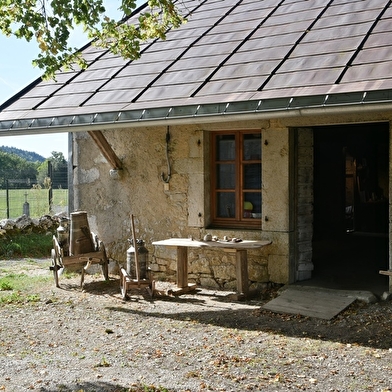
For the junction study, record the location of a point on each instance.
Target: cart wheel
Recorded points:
(82, 278)
(123, 285)
(105, 261)
(152, 288)
(55, 267)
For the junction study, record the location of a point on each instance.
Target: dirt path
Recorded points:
(92, 340)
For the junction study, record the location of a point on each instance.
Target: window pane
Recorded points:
(252, 147)
(225, 205)
(225, 148)
(252, 205)
(252, 176)
(236, 178)
(225, 176)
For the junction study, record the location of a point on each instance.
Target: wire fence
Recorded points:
(30, 197)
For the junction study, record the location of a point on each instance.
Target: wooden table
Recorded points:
(240, 249)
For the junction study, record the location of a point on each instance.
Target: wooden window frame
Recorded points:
(238, 221)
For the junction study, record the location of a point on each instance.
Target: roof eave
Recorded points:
(377, 101)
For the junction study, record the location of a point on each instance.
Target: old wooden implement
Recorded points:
(127, 282)
(77, 250)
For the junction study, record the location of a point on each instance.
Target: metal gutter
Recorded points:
(205, 113)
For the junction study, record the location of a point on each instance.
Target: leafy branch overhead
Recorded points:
(50, 24)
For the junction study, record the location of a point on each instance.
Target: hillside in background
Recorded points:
(27, 155)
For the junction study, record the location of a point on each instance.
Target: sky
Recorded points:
(17, 72)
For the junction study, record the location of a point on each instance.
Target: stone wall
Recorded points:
(181, 207)
(304, 217)
(177, 209)
(24, 225)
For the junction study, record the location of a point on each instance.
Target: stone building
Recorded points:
(256, 119)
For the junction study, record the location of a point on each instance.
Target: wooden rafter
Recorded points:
(106, 149)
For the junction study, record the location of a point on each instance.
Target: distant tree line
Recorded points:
(16, 164)
(27, 155)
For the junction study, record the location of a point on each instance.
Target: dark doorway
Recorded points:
(351, 182)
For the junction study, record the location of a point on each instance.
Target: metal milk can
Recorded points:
(142, 254)
(63, 235)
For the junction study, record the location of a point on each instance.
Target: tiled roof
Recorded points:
(231, 56)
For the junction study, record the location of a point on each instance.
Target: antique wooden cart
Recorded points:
(135, 280)
(79, 250)
(127, 283)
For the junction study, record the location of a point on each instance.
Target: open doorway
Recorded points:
(351, 182)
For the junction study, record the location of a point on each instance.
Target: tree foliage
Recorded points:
(57, 159)
(59, 166)
(27, 155)
(50, 24)
(14, 167)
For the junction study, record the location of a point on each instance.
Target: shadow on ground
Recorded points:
(364, 324)
(102, 387)
(356, 325)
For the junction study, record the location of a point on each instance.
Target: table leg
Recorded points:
(182, 267)
(242, 271)
(182, 273)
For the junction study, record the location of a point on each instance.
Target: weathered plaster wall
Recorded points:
(390, 205)
(182, 208)
(275, 208)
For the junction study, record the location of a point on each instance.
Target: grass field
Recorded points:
(38, 200)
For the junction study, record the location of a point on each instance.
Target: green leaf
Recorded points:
(51, 22)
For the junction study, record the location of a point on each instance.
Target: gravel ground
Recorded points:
(92, 340)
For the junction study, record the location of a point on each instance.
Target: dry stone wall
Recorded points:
(25, 225)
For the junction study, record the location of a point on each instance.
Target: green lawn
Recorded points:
(38, 200)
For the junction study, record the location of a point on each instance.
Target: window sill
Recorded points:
(235, 226)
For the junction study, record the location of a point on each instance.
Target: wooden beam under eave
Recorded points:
(106, 149)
